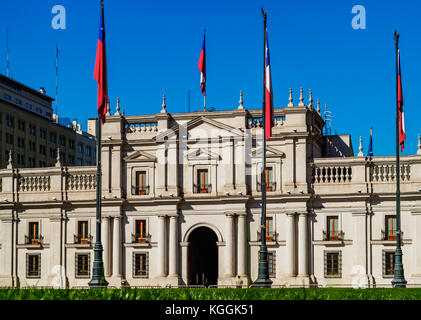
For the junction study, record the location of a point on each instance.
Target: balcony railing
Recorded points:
(141, 238)
(271, 237)
(140, 191)
(203, 188)
(271, 186)
(333, 236)
(390, 236)
(79, 239)
(34, 239)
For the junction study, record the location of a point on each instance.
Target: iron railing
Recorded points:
(333, 236)
(141, 238)
(34, 239)
(79, 239)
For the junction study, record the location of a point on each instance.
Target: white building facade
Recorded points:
(181, 206)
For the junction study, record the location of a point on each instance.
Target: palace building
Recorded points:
(181, 205)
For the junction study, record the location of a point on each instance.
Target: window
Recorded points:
(71, 159)
(333, 264)
(53, 153)
(18, 101)
(80, 147)
(31, 163)
(21, 159)
(33, 237)
(272, 264)
(79, 161)
(83, 236)
(21, 142)
(62, 141)
(88, 151)
(9, 138)
(33, 265)
(332, 228)
(140, 235)
(43, 133)
(39, 110)
(269, 229)
(88, 163)
(140, 265)
(391, 228)
(269, 179)
(82, 265)
(31, 146)
(7, 97)
(48, 114)
(21, 125)
(72, 144)
(9, 121)
(6, 156)
(29, 106)
(42, 149)
(202, 181)
(53, 137)
(388, 263)
(32, 130)
(141, 188)
(42, 164)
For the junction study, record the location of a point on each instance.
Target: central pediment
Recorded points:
(200, 128)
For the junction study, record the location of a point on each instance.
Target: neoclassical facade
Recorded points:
(181, 198)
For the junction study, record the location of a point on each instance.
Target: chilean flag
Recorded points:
(402, 135)
(202, 67)
(100, 73)
(268, 93)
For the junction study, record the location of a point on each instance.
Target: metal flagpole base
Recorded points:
(263, 280)
(98, 279)
(399, 279)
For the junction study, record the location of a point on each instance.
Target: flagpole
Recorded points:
(206, 89)
(398, 279)
(263, 270)
(98, 279)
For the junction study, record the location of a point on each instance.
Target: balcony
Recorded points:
(140, 191)
(141, 238)
(270, 187)
(271, 237)
(390, 236)
(203, 188)
(79, 239)
(333, 236)
(34, 239)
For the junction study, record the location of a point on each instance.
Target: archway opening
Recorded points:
(203, 257)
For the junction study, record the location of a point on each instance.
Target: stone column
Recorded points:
(55, 276)
(161, 246)
(105, 235)
(173, 247)
(290, 245)
(242, 245)
(229, 247)
(116, 172)
(6, 254)
(302, 245)
(117, 247)
(184, 261)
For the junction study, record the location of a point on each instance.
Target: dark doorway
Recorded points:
(203, 257)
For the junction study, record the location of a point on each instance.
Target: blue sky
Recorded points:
(153, 48)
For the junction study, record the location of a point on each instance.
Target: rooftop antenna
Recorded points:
(7, 52)
(57, 52)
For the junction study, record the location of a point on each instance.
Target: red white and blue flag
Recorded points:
(100, 73)
(402, 134)
(268, 92)
(202, 67)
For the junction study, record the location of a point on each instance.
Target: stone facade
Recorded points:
(181, 205)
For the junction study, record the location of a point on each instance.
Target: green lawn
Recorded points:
(211, 294)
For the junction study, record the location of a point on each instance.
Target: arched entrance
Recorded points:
(203, 257)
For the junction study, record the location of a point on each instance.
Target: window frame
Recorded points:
(134, 270)
(387, 220)
(143, 226)
(273, 265)
(202, 180)
(33, 276)
(339, 261)
(335, 235)
(384, 260)
(269, 236)
(77, 273)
